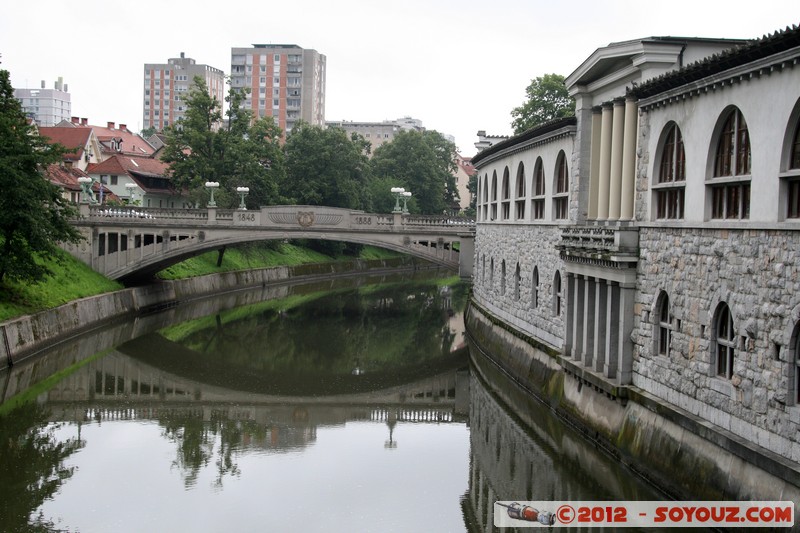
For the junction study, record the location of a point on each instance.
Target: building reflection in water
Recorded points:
(519, 451)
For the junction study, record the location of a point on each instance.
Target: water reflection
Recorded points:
(519, 451)
(331, 409)
(257, 415)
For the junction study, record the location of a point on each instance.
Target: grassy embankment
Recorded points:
(72, 279)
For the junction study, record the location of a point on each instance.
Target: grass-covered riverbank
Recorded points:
(72, 279)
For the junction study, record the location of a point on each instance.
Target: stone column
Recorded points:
(588, 321)
(612, 331)
(629, 158)
(604, 160)
(594, 169)
(615, 189)
(577, 317)
(570, 314)
(625, 370)
(600, 313)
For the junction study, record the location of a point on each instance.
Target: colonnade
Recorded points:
(599, 325)
(613, 160)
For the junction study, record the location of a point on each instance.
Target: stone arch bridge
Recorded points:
(132, 243)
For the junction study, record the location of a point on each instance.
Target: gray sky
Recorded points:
(458, 65)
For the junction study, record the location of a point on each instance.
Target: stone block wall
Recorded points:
(754, 272)
(530, 246)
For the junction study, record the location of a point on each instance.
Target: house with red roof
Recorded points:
(65, 177)
(113, 138)
(83, 147)
(151, 185)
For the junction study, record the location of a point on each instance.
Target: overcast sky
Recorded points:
(458, 65)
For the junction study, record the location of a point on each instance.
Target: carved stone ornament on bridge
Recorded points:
(305, 218)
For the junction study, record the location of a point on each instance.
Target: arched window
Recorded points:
(535, 288)
(664, 331)
(795, 161)
(561, 194)
(557, 294)
(731, 199)
(725, 341)
(506, 196)
(794, 360)
(503, 277)
(793, 198)
(538, 190)
(494, 196)
(516, 283)
(485, 197)
(796, 368)
(671, 176)
(520, 198)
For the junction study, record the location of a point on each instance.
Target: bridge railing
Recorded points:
(273, 216)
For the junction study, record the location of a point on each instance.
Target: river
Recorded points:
(348, 405)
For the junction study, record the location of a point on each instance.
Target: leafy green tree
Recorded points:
(245, 154)
(472, 187)
(326, 167)
(423, 163)
(34, 217)
(547, 99)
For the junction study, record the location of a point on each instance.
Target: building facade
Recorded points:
(648, 245)
(285, 82)
(166, 86)
(46, 107)
(378, 133)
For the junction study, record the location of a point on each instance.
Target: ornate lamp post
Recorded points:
(86, 189)
(131, 192)
(243, 191)
(211, 186)
(398, 193)
(406, 196)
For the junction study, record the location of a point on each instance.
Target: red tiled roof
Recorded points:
(131, 142)
(124, 164)
(73, 139)
(67, 178)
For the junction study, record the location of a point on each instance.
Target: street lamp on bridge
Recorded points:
(406, 196)
(131, 192)
(398, 193)
(211, 186)
(243, 191)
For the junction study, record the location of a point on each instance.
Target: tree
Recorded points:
(472, 187)
(245, 154)
(34, 217)
(326, 167)
(547, 99)
(423, 163)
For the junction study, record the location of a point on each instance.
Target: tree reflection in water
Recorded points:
(31, 466)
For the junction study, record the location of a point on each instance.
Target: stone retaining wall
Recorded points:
(26, 335)
(667, 446)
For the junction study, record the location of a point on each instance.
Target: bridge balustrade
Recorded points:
(124, 240)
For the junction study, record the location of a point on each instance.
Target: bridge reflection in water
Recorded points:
(259, 426)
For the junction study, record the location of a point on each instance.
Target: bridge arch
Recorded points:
(128, 244)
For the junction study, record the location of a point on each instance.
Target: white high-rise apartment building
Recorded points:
(47, 107)
(166, 86)
(285, 81)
